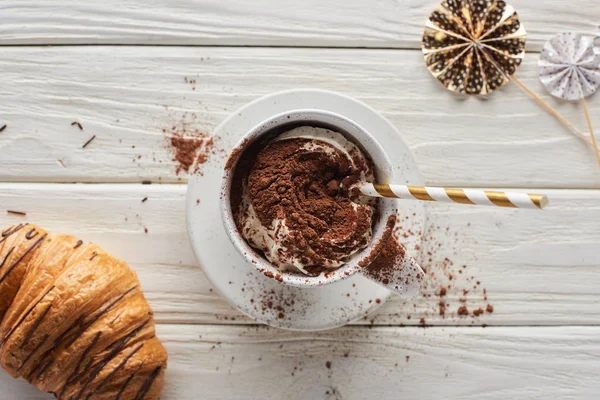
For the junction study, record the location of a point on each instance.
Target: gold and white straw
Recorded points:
(461, 196)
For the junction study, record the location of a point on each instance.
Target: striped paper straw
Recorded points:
(461, 196)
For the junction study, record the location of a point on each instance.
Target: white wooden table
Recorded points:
(118, 67)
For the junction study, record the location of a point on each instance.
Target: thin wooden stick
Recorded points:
(552, 111)
(589, 122)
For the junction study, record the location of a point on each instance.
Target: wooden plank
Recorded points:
(339, 23)
(538, 268)
(126, 96)
(212, 362)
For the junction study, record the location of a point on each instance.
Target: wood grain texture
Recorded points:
(211, 362)
(538, 268)
(126, 96)
(339, 23)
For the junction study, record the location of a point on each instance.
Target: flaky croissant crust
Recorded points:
(74, 321)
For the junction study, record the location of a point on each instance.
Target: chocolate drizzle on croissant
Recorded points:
(86, 325)
(73, 320)
(117, 368)
(148, 384)
(31, 234)
(76, 373)
(33, 352)
(116, 349)
(12, 267)
(129, 380)
(42, 370)
(37, 323)
(11, 230)
(6, 257)
(25, 315)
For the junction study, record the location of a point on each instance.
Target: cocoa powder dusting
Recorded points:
(190, 152)
(309, 190)
(442, 307)
(386, 256)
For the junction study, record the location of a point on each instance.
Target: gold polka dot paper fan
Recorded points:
(473, 46)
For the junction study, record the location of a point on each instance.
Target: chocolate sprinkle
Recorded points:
(144, 199)
(78, 125)
(16, 212)
(79, 243)
(88, 142)
(3, 128)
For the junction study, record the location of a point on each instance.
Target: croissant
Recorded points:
(74, 321)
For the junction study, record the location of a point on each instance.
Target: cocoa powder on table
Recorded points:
(191, 146)
(190, 149)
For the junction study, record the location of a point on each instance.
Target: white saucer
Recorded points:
(265, 299)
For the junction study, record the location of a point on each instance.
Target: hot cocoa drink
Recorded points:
(295, 200)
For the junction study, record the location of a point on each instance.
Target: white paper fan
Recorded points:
(570, 69)
(568, 66)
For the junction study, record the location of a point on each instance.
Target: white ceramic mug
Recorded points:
(405, 277)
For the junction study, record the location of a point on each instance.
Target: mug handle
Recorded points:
(393, 268)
